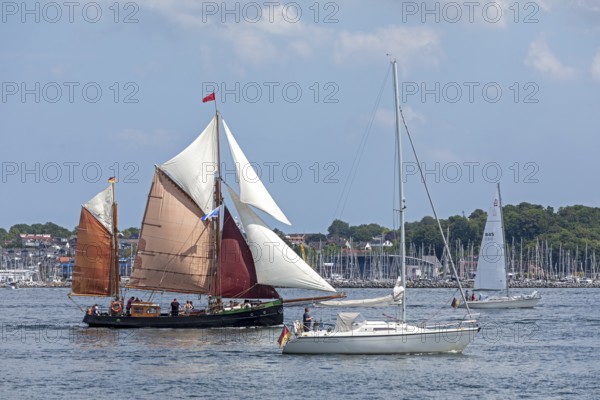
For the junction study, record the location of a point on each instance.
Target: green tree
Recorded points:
(339, 228)
(131, 231)
(365, 233)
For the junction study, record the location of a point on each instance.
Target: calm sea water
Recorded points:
(550, 352)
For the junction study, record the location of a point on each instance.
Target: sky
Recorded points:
(493, 91)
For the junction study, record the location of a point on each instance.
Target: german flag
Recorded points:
(112, 179)
(284, 337)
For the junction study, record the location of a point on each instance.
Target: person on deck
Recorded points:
(128, 306)
(188, 307)
(174, 308)
(306, 319)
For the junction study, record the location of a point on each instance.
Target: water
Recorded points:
(549, 352)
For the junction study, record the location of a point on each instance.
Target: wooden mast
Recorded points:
(217, 203)
(115, 291)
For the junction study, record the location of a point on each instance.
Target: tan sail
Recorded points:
(176, 247)
(95, 249)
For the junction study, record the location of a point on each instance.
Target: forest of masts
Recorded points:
(539, 261)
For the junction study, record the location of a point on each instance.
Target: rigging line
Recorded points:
(412, 145)
(358, 156)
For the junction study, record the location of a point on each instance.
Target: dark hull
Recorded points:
(266, 315)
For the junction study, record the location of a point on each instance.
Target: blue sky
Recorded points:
(92, 89)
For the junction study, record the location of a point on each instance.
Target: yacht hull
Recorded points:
(409, 340)
(497, 302)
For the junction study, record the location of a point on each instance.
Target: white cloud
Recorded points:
(588, 5)
(411, 115)
(253, 46)
(158, 138)
(595, 69)
(401, 42)
(541, 59)
(275, 36)
(385, 117)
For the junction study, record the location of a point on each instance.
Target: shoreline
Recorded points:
(466, 285)
(388, 285)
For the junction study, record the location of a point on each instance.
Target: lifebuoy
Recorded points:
(116, 307)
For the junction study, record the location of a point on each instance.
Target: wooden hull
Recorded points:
(267, 314)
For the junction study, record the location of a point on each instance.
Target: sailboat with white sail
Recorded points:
(354, 335)
(491, 274)
(184, 247)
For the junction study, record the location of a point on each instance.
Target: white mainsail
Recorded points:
(275, 262)
(195, 167)
(491, 264)
(252, 190)
(101, 206)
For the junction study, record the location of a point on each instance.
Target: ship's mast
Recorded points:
(217, 203)
(116, 274)
(503, 238)
(400, 192)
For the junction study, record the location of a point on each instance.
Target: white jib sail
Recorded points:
(275, 262)
(101, 207)
(491, 264)
(252, 190)
(194, 168)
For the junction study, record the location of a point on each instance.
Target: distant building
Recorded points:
(295, 238)
(34, 240)
(376, 243)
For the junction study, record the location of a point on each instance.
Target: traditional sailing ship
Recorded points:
(491, 274)
(353, 334)
(185, 247)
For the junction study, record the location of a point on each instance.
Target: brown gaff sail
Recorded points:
(94, 256)
(176, 247)
(236, 276)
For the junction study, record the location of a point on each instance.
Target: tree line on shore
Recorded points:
(568, 228)
(573, 228)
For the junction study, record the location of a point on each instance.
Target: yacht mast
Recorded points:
(400, 192)
(503, 238)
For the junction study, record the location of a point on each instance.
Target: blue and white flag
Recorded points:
(211, 214)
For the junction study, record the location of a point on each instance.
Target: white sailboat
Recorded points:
(491, 266)
(354, 335)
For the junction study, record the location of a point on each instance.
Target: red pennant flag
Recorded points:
(210, 97)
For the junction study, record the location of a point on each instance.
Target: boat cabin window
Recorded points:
(145, 310)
